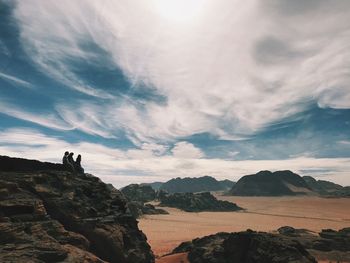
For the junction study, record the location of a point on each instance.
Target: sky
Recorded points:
(150, 90)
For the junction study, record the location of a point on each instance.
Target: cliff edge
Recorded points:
(51, 215)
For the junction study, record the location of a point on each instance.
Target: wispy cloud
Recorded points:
(48, 120)
(16, 81)
(229, 74)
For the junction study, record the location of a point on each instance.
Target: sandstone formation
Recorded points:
(51, 215)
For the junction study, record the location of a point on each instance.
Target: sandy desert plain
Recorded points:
(165, 232)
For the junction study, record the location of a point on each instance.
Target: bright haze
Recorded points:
(150, 90)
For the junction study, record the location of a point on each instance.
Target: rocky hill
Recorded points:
(244, 247)
(286, 245)
(321, 186)
(266, 183)
(197, 202)
(193, 185)
(155, 185)
(51, 215)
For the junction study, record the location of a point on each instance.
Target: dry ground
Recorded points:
(164, 232)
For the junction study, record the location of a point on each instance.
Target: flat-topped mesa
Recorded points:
(51, 215)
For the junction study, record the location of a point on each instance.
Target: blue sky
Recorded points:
(147, 91)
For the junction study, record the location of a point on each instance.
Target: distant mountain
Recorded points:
(197, 202)
(321, 186)
(266, 183)
(156, 185)
(193, 185)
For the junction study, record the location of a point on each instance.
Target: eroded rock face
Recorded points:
(56, 216)
(245, 247)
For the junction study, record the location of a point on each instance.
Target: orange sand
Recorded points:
(176, 258)
(165, 232)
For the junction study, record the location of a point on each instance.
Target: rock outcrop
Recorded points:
(196, 202)
(244, 247)
(137, 192)
(194, 185)
(138, 209)
(266, 183)
(51, 215)
(137, 196)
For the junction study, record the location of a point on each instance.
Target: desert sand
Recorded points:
(165, 232)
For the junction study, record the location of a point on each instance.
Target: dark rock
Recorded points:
(244, 247)
(136, 192)
(291, 231)
(197, 202)
(156, 185)
(137, 209)
(53, 215)
(266, 183)
(194, 185)
(9, 164)
(321, 186)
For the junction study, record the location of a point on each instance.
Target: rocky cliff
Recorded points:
(51, 215)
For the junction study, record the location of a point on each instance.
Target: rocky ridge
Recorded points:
(196, 202)
(196, 184)
(51, 215)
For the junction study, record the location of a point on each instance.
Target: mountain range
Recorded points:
(193, 185)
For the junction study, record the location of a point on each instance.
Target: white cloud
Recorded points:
(47, 120)
(230, 69)
(186, 150)
(145, 165)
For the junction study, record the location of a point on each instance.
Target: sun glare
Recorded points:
(179, 10)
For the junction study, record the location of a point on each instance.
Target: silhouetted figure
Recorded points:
(71, 161)
(65, 159)
(77, 165)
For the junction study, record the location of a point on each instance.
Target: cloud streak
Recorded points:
(16, 81)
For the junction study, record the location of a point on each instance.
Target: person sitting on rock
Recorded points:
(77, 165)
(65, 160)
(71, 161)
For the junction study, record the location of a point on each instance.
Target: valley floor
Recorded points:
(165, 232)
